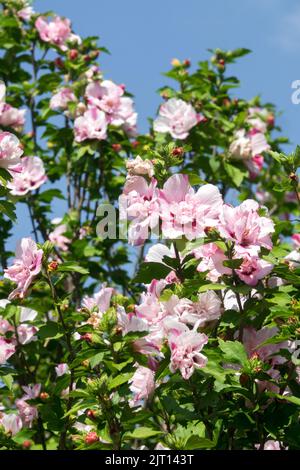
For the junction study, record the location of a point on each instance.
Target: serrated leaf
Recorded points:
(234, 351)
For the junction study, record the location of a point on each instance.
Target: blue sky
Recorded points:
(143, 37)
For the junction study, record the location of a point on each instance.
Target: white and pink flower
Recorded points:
(55, 32)
(31, 176)
(61, 99)
(10, 152)
(27, 265)
(142, 385)
(177, 118)
(91, 125)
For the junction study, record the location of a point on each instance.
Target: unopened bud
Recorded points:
(187, 63)
(26, 444)
(177, 151)
(53, 266)
(44, 395)
(116, 147)
(175, 62)
(87, 337)
(73, 54)
(91, 414)
(91, 438)
(59, 62)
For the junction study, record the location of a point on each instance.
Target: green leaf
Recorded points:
(119, 380)
(233, 263)
(70, 266)
(142, 433)
(149, 271)
(5, 176)
(49, 330)
(8, 381)
(50, 194)
(197, 442)
(8, 209)
(95, 360)
(234, 351)
(236, 174)
(291, 399)
(211, 286)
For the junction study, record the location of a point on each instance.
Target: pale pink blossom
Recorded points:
(30, 178)
(2, 91)
(142, 385)
(212, 258)
(11, 423)
(31, 391)
(141, 167)
(28, 413)
(5, 326)
(62, 369)
(177, 118)
(207, 308)
(141, 204)
(293, 259)
(247, 145)
(55, 32)
(185, 352)
(253, 269)
(258, 119)
(253, 341)
(272, 445)
(10, 152)
(129, 322)
(126, 116)
(105, 95)
(7, 349)
(100, 301)
(61, 99)
(296, 240)
(93, 71)
(92, 125)
(244, 226)
(184, 212)
(10, 116)
(27, 314)
(255, 165)
(26, 13)
(58, 238)
(26, 333)
(27, 265)
(156, 253)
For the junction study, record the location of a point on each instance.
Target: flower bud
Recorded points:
(44, 395)
(26, 444)
(73, 54)
(116, 147)
(87, 337)
(91, 438)
(91, 414)
(53, 266)
(177, 151)
(59, 62)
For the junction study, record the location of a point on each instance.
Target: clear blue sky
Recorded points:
(144, 36)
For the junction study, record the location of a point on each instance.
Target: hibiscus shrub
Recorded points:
(185, 335)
